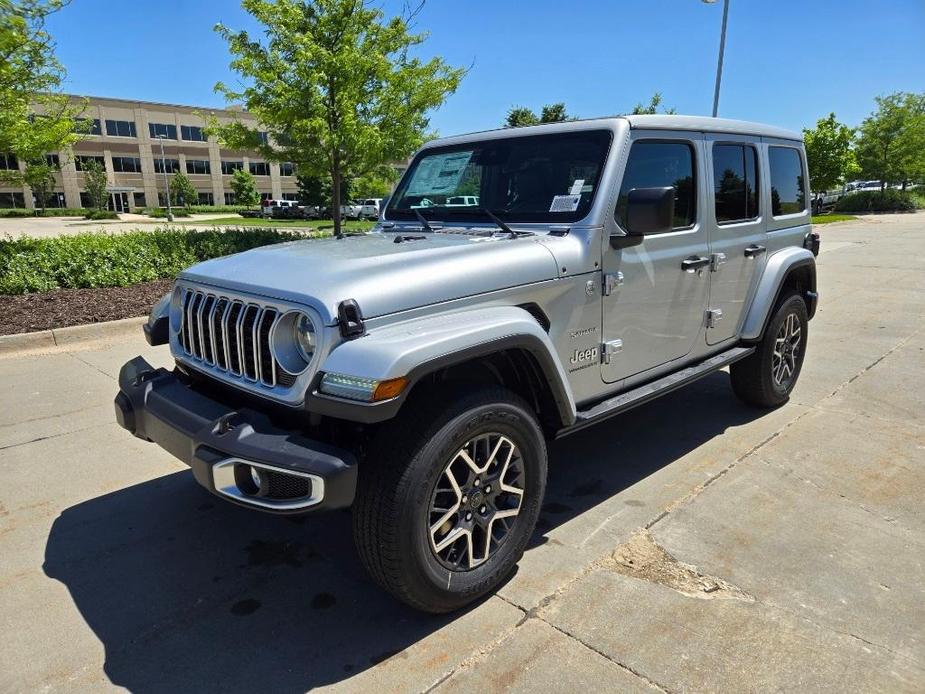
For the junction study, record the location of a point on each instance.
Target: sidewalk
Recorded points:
(692, 544)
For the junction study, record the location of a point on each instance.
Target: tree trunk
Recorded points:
(335, 198)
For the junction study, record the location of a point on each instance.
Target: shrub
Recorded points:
(16, 212)
(889, 200)
(101, 214)
(119, 260)
(161, 212)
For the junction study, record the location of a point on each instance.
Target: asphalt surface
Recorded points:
(691, 544)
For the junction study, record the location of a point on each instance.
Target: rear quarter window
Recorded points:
(787, 184)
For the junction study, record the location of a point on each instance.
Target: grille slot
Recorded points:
(230, 335)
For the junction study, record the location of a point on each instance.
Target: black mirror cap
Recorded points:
(649, 210)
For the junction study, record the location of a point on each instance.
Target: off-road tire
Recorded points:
(752, 378)
(398, 477)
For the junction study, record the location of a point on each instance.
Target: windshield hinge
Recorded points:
(611, 281)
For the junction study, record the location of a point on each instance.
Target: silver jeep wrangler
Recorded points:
(418, 372)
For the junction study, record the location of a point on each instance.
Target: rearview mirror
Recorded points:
(649, 210)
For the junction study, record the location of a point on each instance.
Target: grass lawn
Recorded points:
(829, 218)
(318, 224)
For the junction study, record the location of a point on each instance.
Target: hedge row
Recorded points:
(889, 200)
(119, 260)
(49, 212)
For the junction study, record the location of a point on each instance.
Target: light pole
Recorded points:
(167, 180)
(722, 49)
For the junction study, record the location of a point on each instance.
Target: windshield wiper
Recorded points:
(493, 217)
(423, 221)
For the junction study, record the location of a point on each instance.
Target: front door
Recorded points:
(654, 304)
(738, 246)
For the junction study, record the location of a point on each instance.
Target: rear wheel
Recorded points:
(446, 505)
(766, 377)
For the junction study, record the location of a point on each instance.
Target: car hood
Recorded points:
(381, 275)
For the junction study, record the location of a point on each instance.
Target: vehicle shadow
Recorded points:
(186, 591)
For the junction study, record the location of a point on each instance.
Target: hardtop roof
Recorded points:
(640, 122)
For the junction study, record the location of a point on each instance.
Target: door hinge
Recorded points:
(714, 316)
(609, 348)
(717, 259)
(611, 281)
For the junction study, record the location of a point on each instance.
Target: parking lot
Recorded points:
(691, 544)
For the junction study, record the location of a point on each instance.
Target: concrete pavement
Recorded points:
(692, 544)
(50, 227)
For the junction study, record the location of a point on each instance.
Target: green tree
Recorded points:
(652, 107)
(335, 85)
(891, 140)
(95, 183)
(244, 187)
(828, 152)
(34, 117)
(39, 175)
(182, 191)
(520, 116)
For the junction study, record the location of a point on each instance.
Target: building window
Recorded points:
(139, 199)
(126, 164)
(85, 201)
(8, 200)
(121, 128)
(206, 199)
(81, 160)
(192, 133)
(263, 137)
(53, 161)
(94, 126)
(260, 168)
(9, 162)
(735, 182)
(657, 165)
(54, 199)
(287, 169)
(172, 165)
(229, 167)
(163, 130)
(197, 166)
(291, 196)
(229, 198)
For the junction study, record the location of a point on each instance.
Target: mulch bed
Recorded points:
(26, 313)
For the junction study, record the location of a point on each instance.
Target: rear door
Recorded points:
(737, 231)
(653, 312)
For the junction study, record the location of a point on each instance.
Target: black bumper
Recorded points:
(155, 405)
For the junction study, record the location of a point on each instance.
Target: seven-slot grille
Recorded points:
(232, 336)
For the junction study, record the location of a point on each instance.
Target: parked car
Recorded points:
(370, 209)
(462, 201)
(351, 210)
(420, 372)
(825, 202)
(268, 205)
(251, 213)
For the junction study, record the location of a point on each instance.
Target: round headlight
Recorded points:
(304, 331)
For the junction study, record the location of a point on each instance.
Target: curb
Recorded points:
(63, 338)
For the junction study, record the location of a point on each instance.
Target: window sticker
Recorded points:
(577, 186)
(439, 174)
(565, 203)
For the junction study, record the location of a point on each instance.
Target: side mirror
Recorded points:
(649, 210)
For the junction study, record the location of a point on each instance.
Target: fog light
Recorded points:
(256, 477)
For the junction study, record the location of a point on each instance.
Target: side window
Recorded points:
(787, 196)
(735, 182)
(659, 165)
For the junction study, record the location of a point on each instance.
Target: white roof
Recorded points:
(654, 122)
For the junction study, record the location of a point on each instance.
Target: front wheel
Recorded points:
(446, 505)
(767, 376)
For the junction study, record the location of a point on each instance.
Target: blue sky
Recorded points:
(788, 62)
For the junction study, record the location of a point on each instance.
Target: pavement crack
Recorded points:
(52, 436)
(641, 557)
(92, 366)
(623, 666)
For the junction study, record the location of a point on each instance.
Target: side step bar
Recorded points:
(649, 391)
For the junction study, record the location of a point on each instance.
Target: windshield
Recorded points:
(539, 178)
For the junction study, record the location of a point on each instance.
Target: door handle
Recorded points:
(695, 262)
(754, 251)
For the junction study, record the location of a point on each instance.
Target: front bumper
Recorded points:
(222, 444)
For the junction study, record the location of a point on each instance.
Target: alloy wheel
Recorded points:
(476, 501)
(786, 351)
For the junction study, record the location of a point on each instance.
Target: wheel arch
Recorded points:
(790, 269)
(503, 345)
